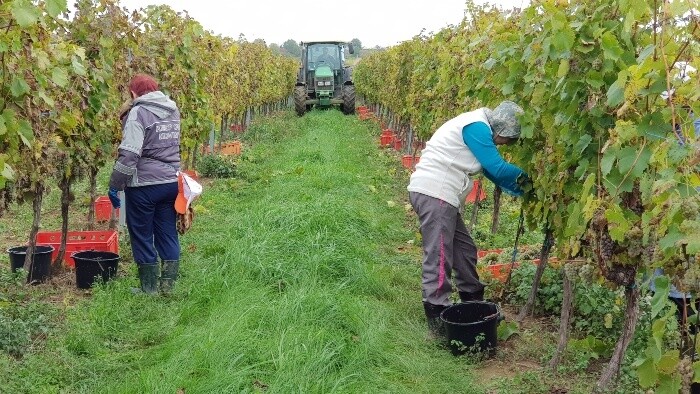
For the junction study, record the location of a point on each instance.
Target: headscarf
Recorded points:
(503, 119)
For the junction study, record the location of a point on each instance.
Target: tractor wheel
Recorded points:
(349, 99)
(300, 100)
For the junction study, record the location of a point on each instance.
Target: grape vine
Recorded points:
(64, 77)
(614, 163)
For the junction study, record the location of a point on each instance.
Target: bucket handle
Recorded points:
(78, 251)
(499, 314)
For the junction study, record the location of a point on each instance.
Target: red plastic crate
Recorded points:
(385, 140)
(481, 253)
(103, 209)
(408, 161)
(104, 241)
(500, 271)
(398, 144)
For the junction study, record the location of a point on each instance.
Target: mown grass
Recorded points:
(292, 282)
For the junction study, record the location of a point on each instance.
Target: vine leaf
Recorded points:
(647, 373)
(506, 329)
(59, 76)
(606, 163)
(645, 53)
(661, 292)
(19, 86)
(24, 130)
(611, 46)
(628, 158)
(616, 92)
(669, 384)
(583, 143)
(25, 13)
(618, 224)
(7, 172)
(668, 363)
(55, 7)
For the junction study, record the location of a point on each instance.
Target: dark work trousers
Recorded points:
(447, 246)
(151, 220)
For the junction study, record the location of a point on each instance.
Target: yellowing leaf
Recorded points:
(78, 67)
(668, 362)
(608, 320)
(563, 68)
(59, 76)
(7, 172)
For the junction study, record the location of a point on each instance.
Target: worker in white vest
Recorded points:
(459, 149)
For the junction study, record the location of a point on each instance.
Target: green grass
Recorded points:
(293, 281)
(301, 274)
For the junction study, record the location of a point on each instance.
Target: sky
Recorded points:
(373, 22)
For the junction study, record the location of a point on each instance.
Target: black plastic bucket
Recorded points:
(41, 267)
(471, 326)
(92, 264)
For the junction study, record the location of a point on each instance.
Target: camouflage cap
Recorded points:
(503, 119)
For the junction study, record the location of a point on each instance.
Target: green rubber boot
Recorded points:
(169, 275)
(148, 275)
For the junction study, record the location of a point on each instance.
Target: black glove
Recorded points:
(526, 185)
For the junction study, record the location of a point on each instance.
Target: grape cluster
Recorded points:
(607, 247)
(649, 250)
(690, 208)
(597, 64)
(599, 222)
(634, 242)
(571, 272)
(587, 273)
(685, 368)
(691, 279)
(672, 335)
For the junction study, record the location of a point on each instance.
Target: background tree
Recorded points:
(275, 48)
(357, 46)
(292, 47)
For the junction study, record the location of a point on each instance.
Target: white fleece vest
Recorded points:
(446, 162)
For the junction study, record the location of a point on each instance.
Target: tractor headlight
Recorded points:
(328, 83)
(320, 83)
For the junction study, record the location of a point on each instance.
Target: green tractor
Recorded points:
(324, 80)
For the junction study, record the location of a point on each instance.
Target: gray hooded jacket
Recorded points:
(149, 153)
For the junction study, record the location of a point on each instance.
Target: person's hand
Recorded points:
(114, 198)
(526, 185)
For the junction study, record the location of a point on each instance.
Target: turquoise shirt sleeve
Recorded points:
(477, 137)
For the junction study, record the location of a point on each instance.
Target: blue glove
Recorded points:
(114, 198)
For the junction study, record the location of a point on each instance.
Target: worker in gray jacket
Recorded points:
(146, 169)
(459, 149)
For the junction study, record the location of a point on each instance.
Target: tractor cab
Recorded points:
(324, 79)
